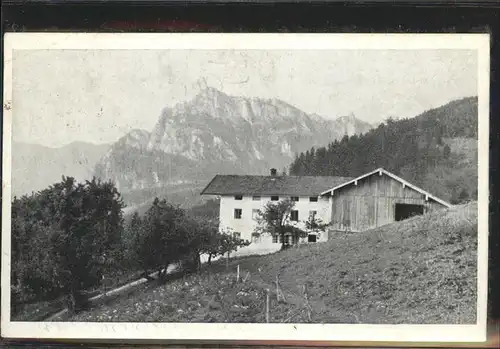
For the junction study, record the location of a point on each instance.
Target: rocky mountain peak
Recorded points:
(218, 133)
(137, 138)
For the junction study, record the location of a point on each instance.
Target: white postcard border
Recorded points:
(255, 332)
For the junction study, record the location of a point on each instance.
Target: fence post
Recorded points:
(279, 293)
(277, 289)
(267, 306)
(308, 306)
(246, 277)
(104, 285)
(238, 273)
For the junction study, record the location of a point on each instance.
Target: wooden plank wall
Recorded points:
(371, 203)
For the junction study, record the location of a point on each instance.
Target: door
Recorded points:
(405, 211)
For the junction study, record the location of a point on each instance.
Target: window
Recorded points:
(238, 197)
(313, 199)
(255, 214)
(295, 239)
(237, 235)
(237, 213)
(275, 238)
(311, 238)
(275, 198)
(312, 214)
(294, 198)
(256, 198)
(294, 215)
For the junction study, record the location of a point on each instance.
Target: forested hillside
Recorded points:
(436, 150)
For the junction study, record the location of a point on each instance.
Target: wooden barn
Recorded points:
(375, 199)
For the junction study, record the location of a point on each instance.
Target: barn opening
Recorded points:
(311, 238)
(405, 211)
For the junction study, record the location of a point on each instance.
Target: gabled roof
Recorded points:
(271, 185)
(295, 185)
(381, 171)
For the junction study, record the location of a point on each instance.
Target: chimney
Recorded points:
(273, 172)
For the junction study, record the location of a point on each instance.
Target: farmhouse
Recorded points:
(347, 204)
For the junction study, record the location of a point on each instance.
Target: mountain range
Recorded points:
(192, 141)
(216, 133)
(35, 167)
(213, 133)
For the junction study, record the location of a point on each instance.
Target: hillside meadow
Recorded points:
(418, 271)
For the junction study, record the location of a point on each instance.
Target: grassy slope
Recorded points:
(422, 270)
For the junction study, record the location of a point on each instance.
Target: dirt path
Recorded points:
(105, 296)
(314, 309)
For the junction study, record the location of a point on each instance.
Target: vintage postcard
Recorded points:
(245, 187)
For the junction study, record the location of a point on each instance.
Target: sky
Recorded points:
(97, 96)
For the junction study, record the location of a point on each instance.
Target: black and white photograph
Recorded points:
(245, 186)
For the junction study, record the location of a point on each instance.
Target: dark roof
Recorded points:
(271, 185)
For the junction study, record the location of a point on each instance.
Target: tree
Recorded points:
(315, 224)
(457, 195)
(209, 237)
(105, 206)
(157, 247)
(212, 241)
(225, 243)
(446, 151)
(274, 219)
(32, 268)
(170, 235)
(65, 238)
(191, 241)
(90, 222)
(463, 196)
(132, 240)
